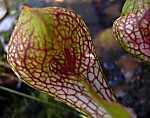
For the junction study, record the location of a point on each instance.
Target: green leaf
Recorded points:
(133, 6)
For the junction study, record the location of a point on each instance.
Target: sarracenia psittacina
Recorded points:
(132, 29)
(51, 50)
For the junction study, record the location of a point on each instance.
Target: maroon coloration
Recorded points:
(133, 33)
(62, 61)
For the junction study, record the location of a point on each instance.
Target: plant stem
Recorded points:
(28, 96)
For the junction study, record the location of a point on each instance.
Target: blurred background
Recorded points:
(128, 77)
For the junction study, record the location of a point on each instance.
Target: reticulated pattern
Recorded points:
(52, 51)
(132, 31)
